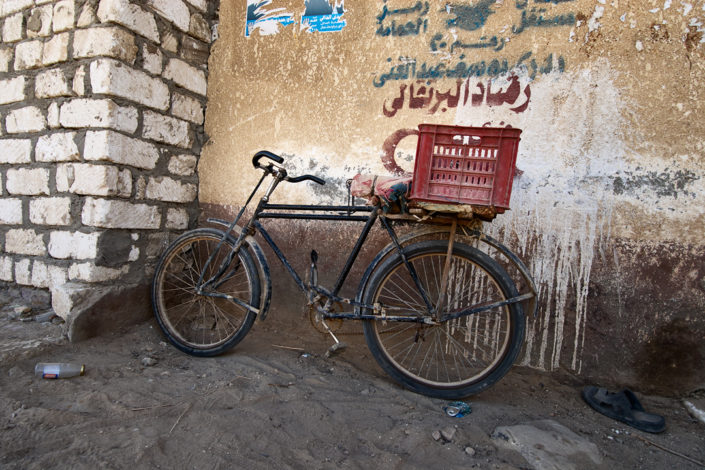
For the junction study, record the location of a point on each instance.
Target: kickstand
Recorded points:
(338, 346)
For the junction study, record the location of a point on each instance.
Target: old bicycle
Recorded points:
(440, 316)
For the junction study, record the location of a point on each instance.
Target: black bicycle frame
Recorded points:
(264, 210)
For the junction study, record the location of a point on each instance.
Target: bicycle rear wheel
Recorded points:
(459, 357)
(197, 324)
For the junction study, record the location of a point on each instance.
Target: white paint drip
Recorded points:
(558, 244)
(557, 224)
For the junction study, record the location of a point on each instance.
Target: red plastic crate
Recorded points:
(465, 165)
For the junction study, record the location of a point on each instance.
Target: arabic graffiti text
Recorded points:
(407, 69)
(424, 95)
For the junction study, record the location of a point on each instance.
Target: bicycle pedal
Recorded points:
(337, 347)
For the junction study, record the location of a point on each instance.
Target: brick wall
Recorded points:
(101, 122)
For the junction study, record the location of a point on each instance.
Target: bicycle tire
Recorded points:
(197, 324)
(473, 352)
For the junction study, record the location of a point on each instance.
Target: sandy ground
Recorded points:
(264, 406)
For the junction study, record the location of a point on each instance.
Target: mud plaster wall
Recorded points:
(608, 211)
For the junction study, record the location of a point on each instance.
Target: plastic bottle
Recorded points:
(58, 370)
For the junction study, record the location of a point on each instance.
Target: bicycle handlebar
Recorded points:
(266, 154)
(298, 179)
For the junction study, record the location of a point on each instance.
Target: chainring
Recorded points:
(335, 324)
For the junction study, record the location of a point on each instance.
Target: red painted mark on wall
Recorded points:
(390, 146)
(421, 95)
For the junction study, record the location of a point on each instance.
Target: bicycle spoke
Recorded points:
(461, 350)
(197, 321)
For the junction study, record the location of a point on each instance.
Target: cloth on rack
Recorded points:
(386, 189)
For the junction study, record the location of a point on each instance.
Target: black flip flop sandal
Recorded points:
(623, 406)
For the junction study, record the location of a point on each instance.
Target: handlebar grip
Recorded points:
(315, 179)
(265, 154)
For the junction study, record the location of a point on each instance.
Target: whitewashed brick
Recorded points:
(40, 276)
(187, 108)
(170, 42)
(87, 16)
(23, 276)
(168, 189)
(16, 151)
(59, 147)
(81, 113)
(10, 211)
(5, 58)
(73, 245)
(12, 90)
(89, 272)
(53, 116)
(200, 29)
(134, 254)
(166, 129)
(27, 119)
(24, 242)
(51, 83)
(56, 49)
(111, 77)
(110, 41)
(177, 219)
(118, 148)
(28, 181)
(152, 58)
(112, 213)
(12, 29)
(186, 76)
(39, 22)
(11, 6)
(6, 269)
(28, 54)
(79, 81)
(175, 11)
(87, 179)
(129, 15)
(183, 165)
(124, 188)
(50, 211)
(47, 276)
(140, 187)
(64, 15)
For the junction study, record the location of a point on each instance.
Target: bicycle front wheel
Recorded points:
(197, 324)
(458, 357)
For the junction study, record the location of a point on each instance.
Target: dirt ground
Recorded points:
(265, 406)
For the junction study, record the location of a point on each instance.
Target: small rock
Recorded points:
(149, 361)
(22, 309)
(436, 435)
(470, 451)
(45, 317)
(448, 433)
